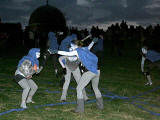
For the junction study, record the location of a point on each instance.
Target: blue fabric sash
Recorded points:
(153, 56)
(88, 59)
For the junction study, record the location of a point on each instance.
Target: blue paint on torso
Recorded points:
(153, 56)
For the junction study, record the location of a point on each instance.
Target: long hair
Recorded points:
(79, 43)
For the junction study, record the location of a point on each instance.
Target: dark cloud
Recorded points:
(86, 11)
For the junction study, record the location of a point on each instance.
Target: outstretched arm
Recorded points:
(92, 43)
(73, 53)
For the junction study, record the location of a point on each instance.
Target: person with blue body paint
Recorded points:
(27, 67)
(71, 65)
(65, 44)
(52, 45)
(90, 62)
(154, 61)
(98, 49)
(99, 45)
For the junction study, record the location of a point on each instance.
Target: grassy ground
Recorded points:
(122, 84)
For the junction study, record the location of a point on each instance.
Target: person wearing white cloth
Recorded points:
(90, 62)
(28, 66)
(154, 61)
(71, 65)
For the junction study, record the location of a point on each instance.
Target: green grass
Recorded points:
(119, 75)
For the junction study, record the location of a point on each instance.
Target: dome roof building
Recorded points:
(46, 18)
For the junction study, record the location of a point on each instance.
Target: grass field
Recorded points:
(121, 83)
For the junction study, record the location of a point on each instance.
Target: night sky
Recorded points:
(87, 12)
